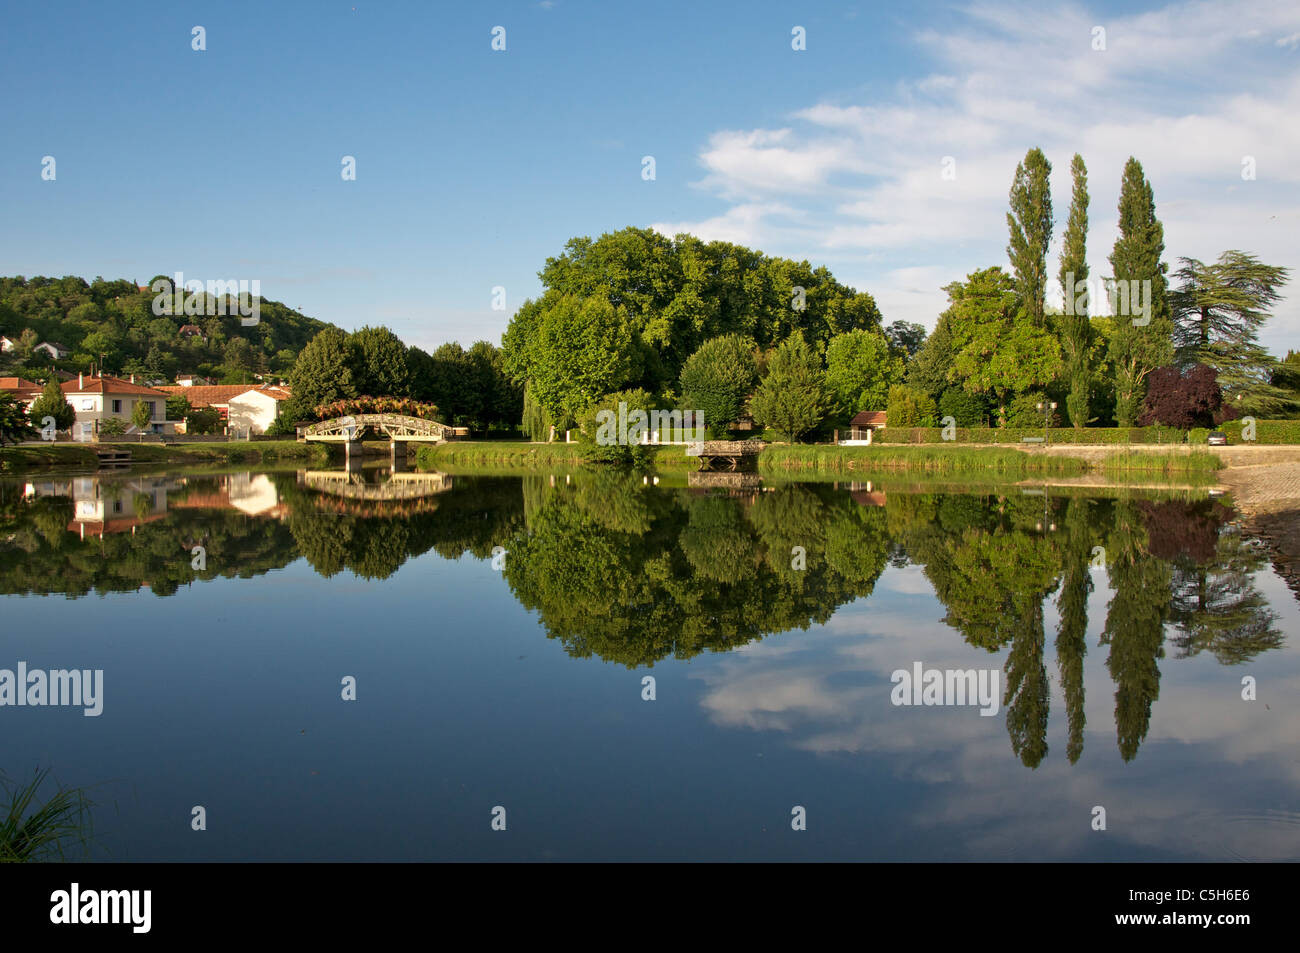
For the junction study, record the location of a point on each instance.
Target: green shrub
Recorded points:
(910, 408)
(969, 410)
(1266, 431)
(594, 436)
(1023, 413)
(204, 420)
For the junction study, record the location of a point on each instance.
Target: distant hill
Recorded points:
(115, 319)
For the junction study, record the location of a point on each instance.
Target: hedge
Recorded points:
(1107, 436)
(1266, 432)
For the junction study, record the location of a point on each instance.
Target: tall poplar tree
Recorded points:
(1030, 224)
(1136, 349)
(1076, 329)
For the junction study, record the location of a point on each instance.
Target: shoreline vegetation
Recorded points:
(816, 458)
(28, 457)
(509, 456)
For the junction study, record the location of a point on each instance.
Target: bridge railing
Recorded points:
(391, 425)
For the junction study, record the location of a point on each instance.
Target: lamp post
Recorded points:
(1047, 409)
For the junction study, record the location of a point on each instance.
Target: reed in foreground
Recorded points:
(1174, 464)
(31, 831)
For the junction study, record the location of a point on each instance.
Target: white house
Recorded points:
(256, 409)
(98, 398)
(57, 352)
(7, 344)
(192, 380)
(244, 409)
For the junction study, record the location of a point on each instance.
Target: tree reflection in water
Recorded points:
(634, 574)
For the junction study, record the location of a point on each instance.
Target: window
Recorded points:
(88, 404)
(117, 406)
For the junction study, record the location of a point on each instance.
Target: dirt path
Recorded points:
(1262, 479)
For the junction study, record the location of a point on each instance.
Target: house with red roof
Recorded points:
(863, 425)
(244, 409)
(98, 398)
(26, 391)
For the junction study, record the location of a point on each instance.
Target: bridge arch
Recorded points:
(397, 427)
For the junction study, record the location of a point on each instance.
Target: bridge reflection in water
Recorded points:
(392, 485)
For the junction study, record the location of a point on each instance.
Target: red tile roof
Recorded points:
(109, 385)
(868, 418)
(19, 386)
(208, 395)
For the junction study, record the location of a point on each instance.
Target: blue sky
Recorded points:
(474, 165)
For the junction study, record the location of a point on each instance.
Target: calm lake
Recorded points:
(499, 632)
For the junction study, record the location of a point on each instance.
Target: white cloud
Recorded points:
(1190, 90)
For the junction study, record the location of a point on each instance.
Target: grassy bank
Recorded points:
(508, 455)
(1196, 463)
(82, 456)
(497, 454)
(944, 459)
(808, 460)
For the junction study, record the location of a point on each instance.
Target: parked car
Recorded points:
(1217, 438)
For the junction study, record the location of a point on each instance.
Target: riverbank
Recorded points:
(1008, 462)
(511, 455)
(63, 456)
(1003, 461)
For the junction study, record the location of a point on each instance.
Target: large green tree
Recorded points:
(52, 403)
(676, 293)
(324, 371)
(860, 368)
(14, 423)
(1140, 343)
(997, 348)
(718, 378)
(379, 368)
(1218, 310)
(579, 350)
(1030, 225)
(906, 338)
(792, 398)
(930, 370)
(1076, 329)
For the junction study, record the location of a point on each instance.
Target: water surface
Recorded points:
(499, 631)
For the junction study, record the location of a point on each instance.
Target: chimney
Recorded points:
(132, 378)
(81, 381)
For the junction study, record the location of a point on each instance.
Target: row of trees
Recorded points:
(720, 328)
(469, 387)
(1000, 349)
(111, 325)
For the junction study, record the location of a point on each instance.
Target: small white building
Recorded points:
(244, 410)
(56, 351)
(255, 410)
